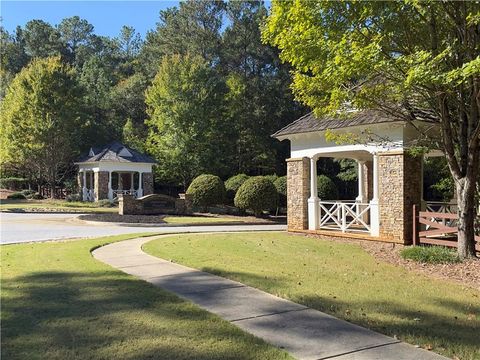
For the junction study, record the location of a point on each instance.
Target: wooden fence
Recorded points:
(60, 193)
(436, 228)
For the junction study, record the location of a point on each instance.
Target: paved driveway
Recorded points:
(17, 228)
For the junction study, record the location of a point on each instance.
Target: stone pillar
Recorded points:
(368, 180)
(101, 185)
(147, 182)
(79, 183)
(298, 183)
(110, 190)
(399, 189)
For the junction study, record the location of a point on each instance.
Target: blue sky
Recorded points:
(106, 16)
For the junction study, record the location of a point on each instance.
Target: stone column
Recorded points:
(120, 181)
(110, 190)
(147, 179)
(132, 187)
(101, 185)
(298, 183)
(399, 189)
(313, 200)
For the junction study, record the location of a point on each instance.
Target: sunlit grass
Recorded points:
(340, 279)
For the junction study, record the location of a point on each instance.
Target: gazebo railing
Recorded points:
(124, 192)
(346, 216)
(89, 195)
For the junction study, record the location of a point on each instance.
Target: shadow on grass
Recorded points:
(413, 325)
(60, 315)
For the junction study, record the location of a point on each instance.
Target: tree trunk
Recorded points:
(465, 189)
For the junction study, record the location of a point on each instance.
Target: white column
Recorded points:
(313, 200)
(374, 206)
(84, 187)
(140, 188)
(132, 187)
(110, 190)
(361, 180)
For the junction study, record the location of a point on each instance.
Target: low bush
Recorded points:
(271, 177)
(430, 254)
(12, 183)
(257, 194)
(206, 190)
(16, 196)
(73, 197)
(281, 186)
(233, 184)
(327, 190)
(28, 192)
(36, 196)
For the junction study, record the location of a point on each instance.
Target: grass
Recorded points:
(199, 220)
(58, 302)
(340, 279)
(54, 205)
(430, 254)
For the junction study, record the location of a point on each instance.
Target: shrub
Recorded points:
(256, 194)
(233, 184)
(430, 254)
(281, 186)
(36, 196)
(327, 190)
(206, 190)
(73, 197)
(16, 196)
(272, 177)
(12, 183)
(28, 192)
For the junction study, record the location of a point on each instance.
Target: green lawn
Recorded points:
(58, 302)
(340, 279)
(54, 205)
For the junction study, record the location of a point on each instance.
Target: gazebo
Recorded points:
(390, 179)
(114, 169)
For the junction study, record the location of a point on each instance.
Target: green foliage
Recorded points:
(430, 254)
(281, 186)
(28, 192)
(271, 177)
(206, 190)
(327, 190)
(36, 196)
(42, 118)
(233, 184)
(104, 203)
(12, 183)
(73, 198)
(186, 128)
(17, 196)
(257, 194)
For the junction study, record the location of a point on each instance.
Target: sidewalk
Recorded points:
(303, 332)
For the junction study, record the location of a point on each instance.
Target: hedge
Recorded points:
(281, 186)
(257, 194)
(233, 184)
(206, 190)
(327, 190)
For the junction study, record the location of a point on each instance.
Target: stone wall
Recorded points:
(101, 185)
(298, 184)
(154, 204)
(147, 183)
(400, 178)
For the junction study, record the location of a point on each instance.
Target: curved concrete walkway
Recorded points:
(303, 332)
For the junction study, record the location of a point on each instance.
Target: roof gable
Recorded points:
(115, 152)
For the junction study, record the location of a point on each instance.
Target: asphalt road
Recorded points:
(18, 228)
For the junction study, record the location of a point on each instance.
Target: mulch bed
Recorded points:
(465, 273)
(129, 219)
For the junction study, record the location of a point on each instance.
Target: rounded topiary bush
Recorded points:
(233, 184)
(16, 196)
(327, 190)
(271, 177)
(256, 194)
(206, 190)
(281, 186)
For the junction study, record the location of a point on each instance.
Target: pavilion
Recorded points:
(390, 179)
(114, 169)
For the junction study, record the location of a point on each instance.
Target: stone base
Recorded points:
(298, 184)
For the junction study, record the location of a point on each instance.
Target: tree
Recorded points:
(75, 33)
(42, 40)
(42, 118)
(414, 60)
(193, 28)
(186, 127)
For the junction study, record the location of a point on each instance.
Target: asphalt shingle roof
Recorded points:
(115, 152)
(310, 123)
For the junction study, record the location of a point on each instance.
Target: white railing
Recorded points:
(345, 216)
(88, 195)
(124, 192)
(444, 208)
